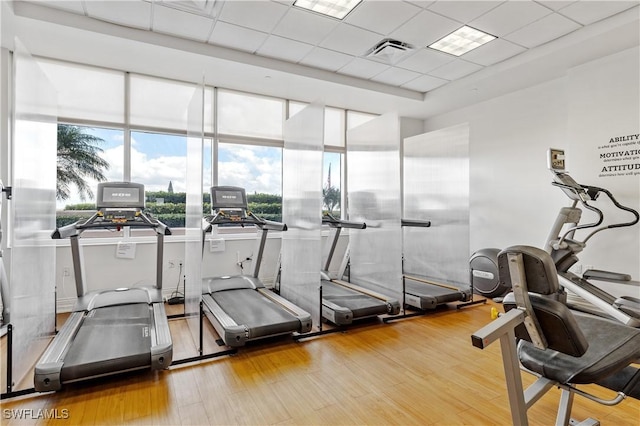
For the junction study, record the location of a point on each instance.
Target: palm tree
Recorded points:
(78, 158)
(331, 197)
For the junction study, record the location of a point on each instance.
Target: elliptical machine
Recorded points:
(563, 246)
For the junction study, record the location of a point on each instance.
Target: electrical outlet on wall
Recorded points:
(66, 271)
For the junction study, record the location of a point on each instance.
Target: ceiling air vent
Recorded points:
(199, 7)
(389, 51)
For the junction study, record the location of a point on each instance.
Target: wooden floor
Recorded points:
(421, 371)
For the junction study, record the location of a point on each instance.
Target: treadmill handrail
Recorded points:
(93, 222)
(220, 218)
(334, 222)
(416, 223)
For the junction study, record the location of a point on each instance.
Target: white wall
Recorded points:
(512, 200)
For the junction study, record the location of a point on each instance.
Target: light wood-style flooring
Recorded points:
(421, 371)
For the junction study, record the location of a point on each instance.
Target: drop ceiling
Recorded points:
(282, 31)
(276, 49)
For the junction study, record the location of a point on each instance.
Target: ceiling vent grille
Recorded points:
(199, 7)
(389, 51)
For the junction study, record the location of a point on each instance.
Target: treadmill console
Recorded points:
(120, 195)
(118, 204)
(230, 201)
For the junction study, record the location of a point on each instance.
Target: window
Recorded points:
(334, 122)
(334, 127)
(331, 183)
(258, 169)
(254, 116)
(159, 162)
(248, 151)
(163, 103)
(85, 153)
(87, 93)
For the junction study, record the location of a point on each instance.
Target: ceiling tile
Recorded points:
(424, 83)
(351, 40)
(463, 11)
(130, 13)
(395, 76)
(284, 48)
(425, 60)
(556, 4)
(425, 28)
(304, 26)
(326, 59)
(493, 52)
(588, 12)
(509, 16)
(546, 29)
(68, 5)
(235, 37)
(455, 70)
(181, 24)
(363, 68)
(382, 16)
(422, 3)
(257, 15)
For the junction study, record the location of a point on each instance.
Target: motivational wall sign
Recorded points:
(620, 156)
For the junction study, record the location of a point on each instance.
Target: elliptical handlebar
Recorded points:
(596, 191)
(586, 193)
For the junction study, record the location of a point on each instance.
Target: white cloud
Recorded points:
(156, 173)
(257, 169)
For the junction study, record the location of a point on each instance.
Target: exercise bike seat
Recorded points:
(581, 348)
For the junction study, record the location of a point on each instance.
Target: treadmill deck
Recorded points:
(111, 339)
(261, 316)
(360, 304)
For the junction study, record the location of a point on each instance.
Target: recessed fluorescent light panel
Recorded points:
(462, 41)
(334, 8)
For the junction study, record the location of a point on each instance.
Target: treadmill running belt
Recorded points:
(361, 305)
(436, 294)
(262, 316)
(132, 310)
(106, 344)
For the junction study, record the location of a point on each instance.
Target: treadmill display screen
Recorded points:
(120, 195)
(228, 197)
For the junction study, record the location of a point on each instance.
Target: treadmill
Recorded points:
(109, 331)
(342, 301)
(240, 308)
(425, 293)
